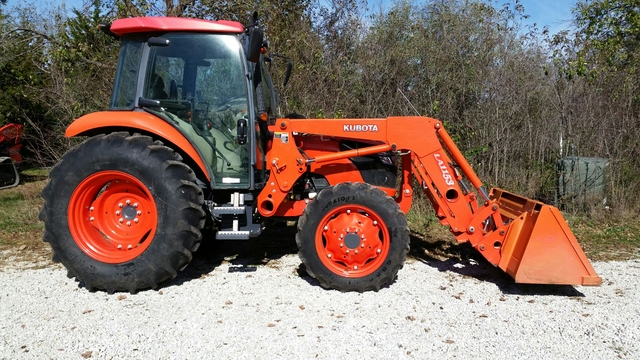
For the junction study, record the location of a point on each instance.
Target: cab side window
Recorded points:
(124, 91)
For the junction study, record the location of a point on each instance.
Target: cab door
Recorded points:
(200, 83)
(265, 103)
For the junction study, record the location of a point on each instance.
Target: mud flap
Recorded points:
(9, 176)
(539, 247)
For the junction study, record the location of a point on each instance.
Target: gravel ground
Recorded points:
(225, 308)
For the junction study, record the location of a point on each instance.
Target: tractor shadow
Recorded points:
(462, 259)
(277, 242)
(240, 255)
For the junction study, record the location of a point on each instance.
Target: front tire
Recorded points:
(122, 212)
(353, 237)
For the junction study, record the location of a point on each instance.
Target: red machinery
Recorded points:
(10, 144)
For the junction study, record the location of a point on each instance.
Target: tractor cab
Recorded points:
(209, 84)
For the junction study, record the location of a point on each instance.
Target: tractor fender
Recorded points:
(99, 122)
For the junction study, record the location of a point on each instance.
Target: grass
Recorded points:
(20, 230)
(603, 236)
(607, 237)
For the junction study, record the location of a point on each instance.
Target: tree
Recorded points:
(22, 61)
(611, 29)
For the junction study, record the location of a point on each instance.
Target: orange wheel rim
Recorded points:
(112, 216)
(352, 241)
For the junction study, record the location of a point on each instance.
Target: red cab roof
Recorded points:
(147, 24)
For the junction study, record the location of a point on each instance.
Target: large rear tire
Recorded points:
(353, 237)
(122, 212)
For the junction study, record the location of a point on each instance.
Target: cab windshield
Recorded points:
(200, 82)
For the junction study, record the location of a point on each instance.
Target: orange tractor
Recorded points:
(192, 136)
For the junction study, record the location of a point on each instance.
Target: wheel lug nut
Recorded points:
(362, 246)
(355, 267)
(91, 218)
(347, 251)
(118, 212)
(329, 256)
(378, 251)
(121, 220)
(375, 222)
(120, 205)
(135, 220)
(356, 251)
(91, 208)
(139, 213)
(135, 205)
(326, 228)
(341, 244)
(129, 247)
(128, 202)
(356, 231)
(347, 231)
(119, 246)
(128, 223)
(348, 212)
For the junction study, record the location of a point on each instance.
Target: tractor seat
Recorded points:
(156, 91)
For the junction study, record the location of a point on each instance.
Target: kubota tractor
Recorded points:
(192, 133)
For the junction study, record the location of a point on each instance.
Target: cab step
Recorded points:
(228, 210)
(233, 235)
(235, 218)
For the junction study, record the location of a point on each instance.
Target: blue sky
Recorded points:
(553, 13)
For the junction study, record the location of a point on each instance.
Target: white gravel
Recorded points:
(435, 309)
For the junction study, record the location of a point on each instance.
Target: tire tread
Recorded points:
(178, 241)
(305, 239)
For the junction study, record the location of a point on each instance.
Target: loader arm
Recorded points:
(529, 240)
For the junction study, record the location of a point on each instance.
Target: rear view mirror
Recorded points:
(255, 44)
(287, 73)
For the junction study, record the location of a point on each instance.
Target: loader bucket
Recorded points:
(539, 247)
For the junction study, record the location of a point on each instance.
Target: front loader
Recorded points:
(192, 134)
